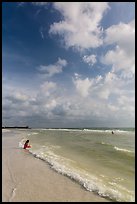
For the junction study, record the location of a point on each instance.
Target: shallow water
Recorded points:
(98, 160)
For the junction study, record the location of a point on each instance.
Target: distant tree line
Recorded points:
(25, 127)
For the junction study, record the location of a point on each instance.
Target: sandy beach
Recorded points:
(29, 179)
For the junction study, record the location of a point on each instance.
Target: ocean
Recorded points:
(98, 160)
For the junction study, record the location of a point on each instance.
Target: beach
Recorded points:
(29, 179)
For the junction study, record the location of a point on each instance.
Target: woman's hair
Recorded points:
(27, 141)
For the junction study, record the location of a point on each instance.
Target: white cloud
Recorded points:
(80, 27)
(41, 33)
(33, 3)
(104, 98)
(110, 77)
(107, 86)
(51, 104)
(122, 100)
(48, 87)
(90, 101)
(20, 4)
(53, 69)
(82, 85)
(39, 3)
(90, 59)
(21, 96)
(122, 57)
(122, 34)
(98, 78)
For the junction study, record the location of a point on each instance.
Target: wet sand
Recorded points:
(29, 179)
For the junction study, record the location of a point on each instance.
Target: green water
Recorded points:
(100, 161)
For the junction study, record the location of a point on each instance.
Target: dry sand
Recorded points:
(29, 179)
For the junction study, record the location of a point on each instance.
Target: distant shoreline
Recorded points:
(19, 127)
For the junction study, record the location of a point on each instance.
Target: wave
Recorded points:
(33, 133)
(117, 148)
(63, 129)
(90, 182)
(123, 150)
(104, 143)
(85, 129)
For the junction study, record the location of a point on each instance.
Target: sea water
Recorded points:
(98, 160)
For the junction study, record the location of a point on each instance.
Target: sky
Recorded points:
(68, 64)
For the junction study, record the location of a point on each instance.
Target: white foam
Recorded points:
(21, 143)
(92, 130)
(34, 133)
(104, 143)
(123, 150)
(90, 182)
(5, 130)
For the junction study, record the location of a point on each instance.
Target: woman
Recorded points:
(26, 145)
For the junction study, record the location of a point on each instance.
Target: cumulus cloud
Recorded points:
(90, 59)
(80, 27)
(15, 104)
(122, 57)
(100, 98)
(107, 88)
(82, 85)
(39, 3)
(48, 87)
(52, 69)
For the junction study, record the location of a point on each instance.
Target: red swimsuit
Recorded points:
(26, 146)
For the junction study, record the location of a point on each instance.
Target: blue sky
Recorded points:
(68, 64)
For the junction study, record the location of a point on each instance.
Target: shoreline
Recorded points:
(26, 178)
